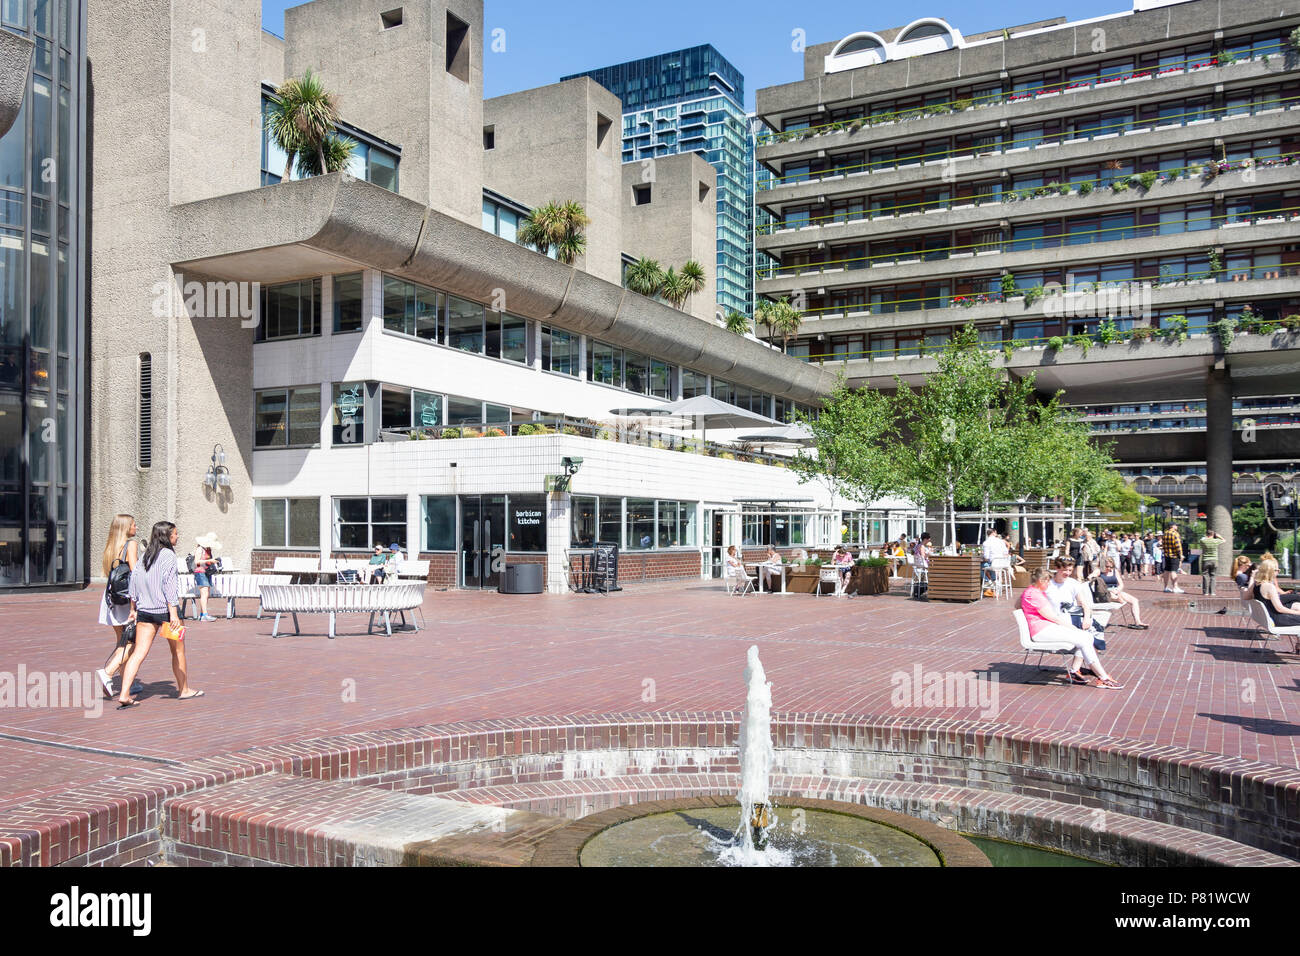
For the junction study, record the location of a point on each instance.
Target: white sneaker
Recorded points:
(1179, 591)
(104, 679)
(1169, 590)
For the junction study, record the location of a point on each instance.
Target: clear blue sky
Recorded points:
(547, 39)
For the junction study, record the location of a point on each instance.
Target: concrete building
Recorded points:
(319, 365)
(1127, 179)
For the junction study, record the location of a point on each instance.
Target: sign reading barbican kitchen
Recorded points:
(527, 523)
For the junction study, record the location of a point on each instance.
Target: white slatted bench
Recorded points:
(297, 566)
(413, 569)
(335, 599)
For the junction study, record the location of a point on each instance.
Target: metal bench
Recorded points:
(334, 599)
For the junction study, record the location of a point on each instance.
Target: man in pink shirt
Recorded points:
(1047, 624)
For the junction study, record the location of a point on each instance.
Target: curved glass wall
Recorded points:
(41, 309)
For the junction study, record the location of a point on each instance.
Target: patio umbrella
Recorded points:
(708, 411)
(784, 435)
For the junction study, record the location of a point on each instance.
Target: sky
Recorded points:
(546, 39)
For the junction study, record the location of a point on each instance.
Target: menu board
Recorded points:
(605, 564)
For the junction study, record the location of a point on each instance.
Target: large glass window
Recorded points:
(465, 324)
(348, 315)
(290, 310)
(394, 407)
(694, 383)
(362, 523)
(604, 364)
(439, 516)
(412, 309)
(349, 413)
(526, 515)
(285, 417)
(582, 530)
(287, 522)
(676, 524)
(514, 338)
(640, 524)
(611, 520)
(559, 351)
(464, 411)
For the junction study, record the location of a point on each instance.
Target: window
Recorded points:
(286, 522)
(640, 524)
(438, 513)
(465, 321)
(391, 18)
(694, 383)
(559, 351)
(526, 523)
(676, 524)
(458, 47)
(603, 123)
(290, 310)
(604, 364)
(348, 316)
(427, 409)
(144, 421)
(582, 523)
(349, 413)
(641, 195)
(412, 309)
(611, 521)
(464, 411)
(394, 407)
(286, 417)
(489, 137)
(362, 523)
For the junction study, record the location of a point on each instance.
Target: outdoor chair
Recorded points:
(740, 582)
(830, 575)
(1265, 628)
(1002, 581)
(1111, 607)
(1038, 647)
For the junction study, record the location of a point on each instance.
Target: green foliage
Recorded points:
(1291, 323)
(1033, 294)
(781, 319)
(1223, 329)
(645, 277)
(1248, 520)
(1215, 259)
(1227, 57)
(557, 225)
(1085, 187)
(738, 322)
(451, 433)
(1293, 38)
(1176, 330)
(1083, 341)
(1009, 284)
(854, 437)
(1056, 342)
(302, 123)
(1147, 179)
(1108, 333)
(961, 104)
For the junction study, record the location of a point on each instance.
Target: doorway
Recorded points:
(482, 540)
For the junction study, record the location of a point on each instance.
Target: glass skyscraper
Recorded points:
(42, 328)
(694, 101)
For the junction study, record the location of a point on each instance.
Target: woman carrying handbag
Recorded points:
(155, 598)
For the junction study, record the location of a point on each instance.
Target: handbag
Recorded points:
(1100, 592)
(173, 633)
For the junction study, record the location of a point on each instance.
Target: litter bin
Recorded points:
(522, 579)
(1194, 559)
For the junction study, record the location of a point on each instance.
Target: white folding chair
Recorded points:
(1265, 628)
(1038, 647)
(739, 582)
(830, 575)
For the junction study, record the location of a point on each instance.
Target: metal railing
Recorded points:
(625, 433)
(1025, 142)
(961, 104)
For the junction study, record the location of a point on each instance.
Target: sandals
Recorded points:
(1109, 684)
(1076, 678)
(130, 703)
(1140, 627)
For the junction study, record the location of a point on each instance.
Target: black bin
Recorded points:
(523, 579)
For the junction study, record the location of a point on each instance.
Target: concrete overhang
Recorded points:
(1129, 372)
(15, 58)
(337, 223)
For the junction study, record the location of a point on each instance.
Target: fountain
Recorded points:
(818, 833)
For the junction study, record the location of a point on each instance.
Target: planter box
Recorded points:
(869, 581)
(954, 578)
(802, 581)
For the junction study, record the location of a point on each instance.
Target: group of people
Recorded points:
(771, 572)
(1259, 583)
(142, 600)
(1145, 555)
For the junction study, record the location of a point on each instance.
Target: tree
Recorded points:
(675, 288)
(335, 153)
(302, 123)
(558, 226)
(738, 323)
(855, 439)
(966, 425)
(645, 276)
(781, 318)
(693, 272)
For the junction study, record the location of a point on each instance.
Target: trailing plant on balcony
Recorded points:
(1009, 284)
(1083, 341)
(1216, 261)
(1143, 333)
(1033, 294)
(1147, 179)
(1085, 187)
(1121, 185)
(1176, 330)
(1055, 343)
(1108, 333)
(1223, 330)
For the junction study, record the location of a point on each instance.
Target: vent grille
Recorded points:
(145, 425)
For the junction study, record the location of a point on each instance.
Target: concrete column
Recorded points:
(559, 508)
(1218, 459)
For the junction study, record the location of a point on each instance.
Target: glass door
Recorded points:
(482, 540)
(471, 529)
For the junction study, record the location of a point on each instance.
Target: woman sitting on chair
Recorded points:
(843, 562)
(1047, 623)
(1114, 582)
(1283, 607)
(735, 568)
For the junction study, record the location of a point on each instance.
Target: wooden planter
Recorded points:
(954, 578)
(869, 581)
(802, 581)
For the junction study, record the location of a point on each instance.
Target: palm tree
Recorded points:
(781, 318)
(336, 152)
(676, 287)
(645, 277)
(738, 322)
(558, 226)
(303, 121)
(694, 273)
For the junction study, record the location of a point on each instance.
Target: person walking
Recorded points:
(205, 569)
(121, 549)
(1138, 556)
(1209, 560)
(1171, 547)
(155, 600)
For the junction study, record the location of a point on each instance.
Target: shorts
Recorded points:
(152, 617)
(203, 579)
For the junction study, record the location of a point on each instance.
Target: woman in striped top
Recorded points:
(155, 599)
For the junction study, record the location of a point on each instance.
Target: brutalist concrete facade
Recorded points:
(935, 187)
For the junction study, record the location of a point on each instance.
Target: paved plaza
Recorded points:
(1191, 681)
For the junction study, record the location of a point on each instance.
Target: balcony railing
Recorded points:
(1058, 240)
(1025, 142)
(1102, 81)
(625, 433)
(1074, 187)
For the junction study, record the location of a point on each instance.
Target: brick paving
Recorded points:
(1191, 681)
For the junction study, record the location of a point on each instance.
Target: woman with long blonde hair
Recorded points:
(120, 548)
(1283, 607)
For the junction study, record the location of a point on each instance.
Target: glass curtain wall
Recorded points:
(41, 316)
